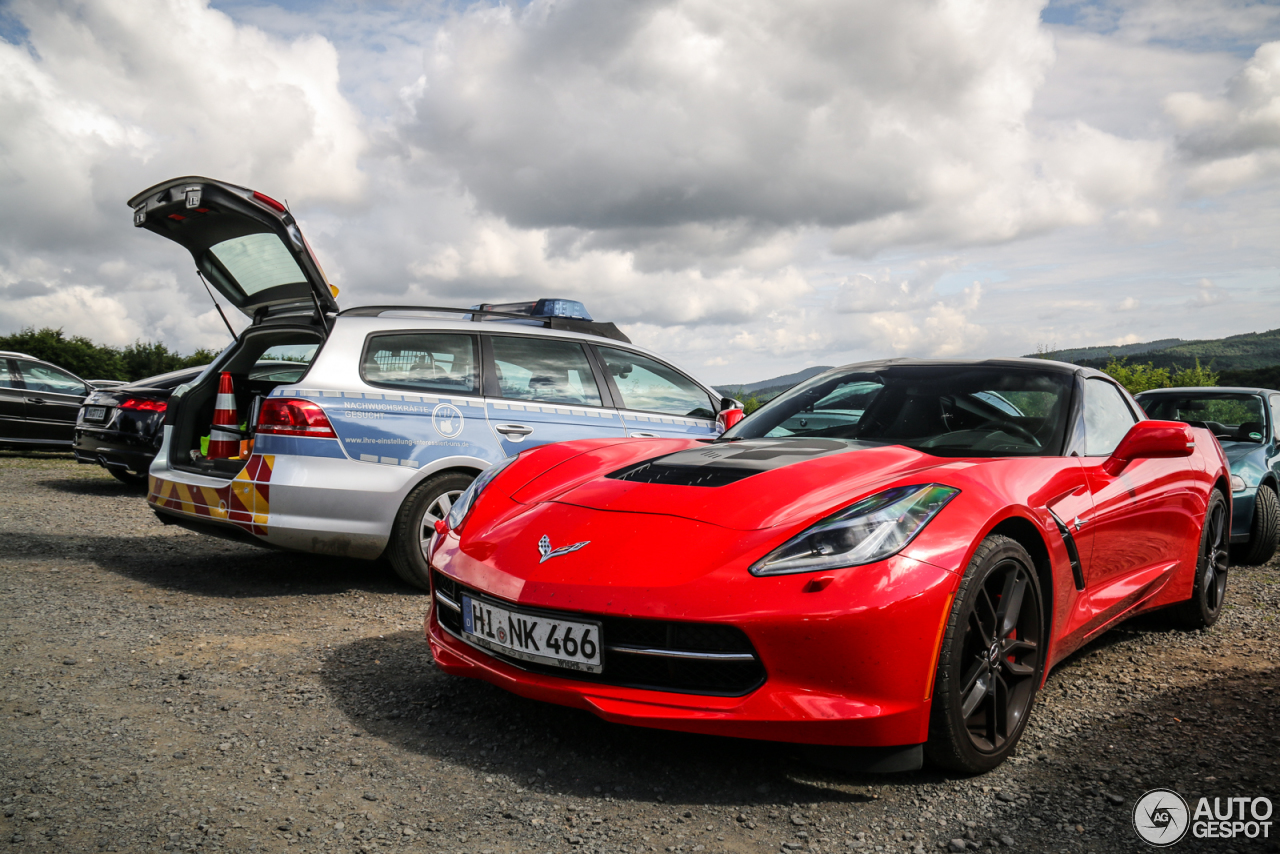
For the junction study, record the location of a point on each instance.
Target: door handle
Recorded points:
(511, 431)
(39, 401)
(638, 435)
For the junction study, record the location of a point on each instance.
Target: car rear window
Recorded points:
(258, 262)
(422, 361)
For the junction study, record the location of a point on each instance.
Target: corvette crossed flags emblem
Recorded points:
(544, 548)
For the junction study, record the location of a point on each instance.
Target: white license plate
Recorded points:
(95, 413)
(569, 644)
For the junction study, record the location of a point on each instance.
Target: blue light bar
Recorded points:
(541, 308)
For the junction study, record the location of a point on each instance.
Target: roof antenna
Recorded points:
(215, 304)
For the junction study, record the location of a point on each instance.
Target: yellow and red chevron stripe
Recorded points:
(245, 501)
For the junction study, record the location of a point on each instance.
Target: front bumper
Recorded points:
(849, 664)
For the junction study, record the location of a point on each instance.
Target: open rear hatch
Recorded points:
(249, 247)
(245, 244)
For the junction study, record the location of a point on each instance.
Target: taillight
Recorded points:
(142, 404)
(290, 417)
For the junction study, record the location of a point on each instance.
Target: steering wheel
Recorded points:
(1010, 427)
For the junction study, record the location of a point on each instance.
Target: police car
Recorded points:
(399, 407)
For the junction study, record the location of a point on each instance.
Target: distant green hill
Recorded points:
(1250, 352)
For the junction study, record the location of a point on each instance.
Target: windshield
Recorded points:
(1232, 417)
(944, 410)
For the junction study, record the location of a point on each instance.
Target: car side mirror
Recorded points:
(731, 413)
(1148, 440)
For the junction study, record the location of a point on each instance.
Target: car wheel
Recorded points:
(1205, 604)
(416, 522)
(1262, 533)
(127, 477)
(991, 661)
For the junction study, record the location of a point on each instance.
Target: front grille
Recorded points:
(655, 654)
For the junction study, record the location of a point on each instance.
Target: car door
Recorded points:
(52, 401)
(655, 399)
(427, 404)
(1142, 515)
(13, 424)
(541, 390)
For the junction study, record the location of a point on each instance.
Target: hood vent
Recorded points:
(726, 463)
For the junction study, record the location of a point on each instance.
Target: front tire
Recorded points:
(991, 661)
(1262, 533)
(428, 503)
(1210, 588)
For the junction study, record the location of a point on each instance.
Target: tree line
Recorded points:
(92, 361)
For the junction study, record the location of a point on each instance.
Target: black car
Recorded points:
(121, 428)
(38, 402)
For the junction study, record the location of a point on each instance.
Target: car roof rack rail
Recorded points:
(567, 324)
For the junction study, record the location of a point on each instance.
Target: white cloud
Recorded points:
(114, 95)
(898, 122)
(1233, 140)
(748, 187)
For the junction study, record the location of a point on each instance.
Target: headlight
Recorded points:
(871, 530)
(458, 512)
(1237, 483)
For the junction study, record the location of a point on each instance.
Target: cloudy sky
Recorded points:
(746, 186)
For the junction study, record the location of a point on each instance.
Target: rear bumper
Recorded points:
(311, 504)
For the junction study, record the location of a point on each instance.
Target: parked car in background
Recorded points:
(1246, 421)
(889, 556)
(39, 402)
(399, 408)
(120, 428)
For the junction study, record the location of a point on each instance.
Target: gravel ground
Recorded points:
(164, 690)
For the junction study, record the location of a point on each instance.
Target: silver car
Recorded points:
(398, 409)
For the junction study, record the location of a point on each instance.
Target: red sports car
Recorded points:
(888, 556)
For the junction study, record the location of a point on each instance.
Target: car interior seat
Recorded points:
(1248, 427)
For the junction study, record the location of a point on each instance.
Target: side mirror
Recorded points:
(1149, 440)
(730, 413)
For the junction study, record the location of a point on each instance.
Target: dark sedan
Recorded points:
(38, 402)
(1246, 421)
(121, 428)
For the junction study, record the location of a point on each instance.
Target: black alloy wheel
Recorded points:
(991, 662)
(1262, 531)
(428, 503)
(1210, 586)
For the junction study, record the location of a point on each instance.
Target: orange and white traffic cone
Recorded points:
(222, 444)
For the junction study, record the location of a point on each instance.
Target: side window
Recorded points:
(650, 386)
(422, 361)
(1107, 417)
(49, 379)
(1275, 415)
(285, 363)
(544, 369)
(8, 375)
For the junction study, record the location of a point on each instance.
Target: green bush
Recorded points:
(100, 362)
(1138, 378)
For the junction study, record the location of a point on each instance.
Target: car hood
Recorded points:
(747, 485)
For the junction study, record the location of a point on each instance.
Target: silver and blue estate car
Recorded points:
(399, 408)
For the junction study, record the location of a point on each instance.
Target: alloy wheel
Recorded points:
(1000, 656)
(436, 510)
(1216, 550)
